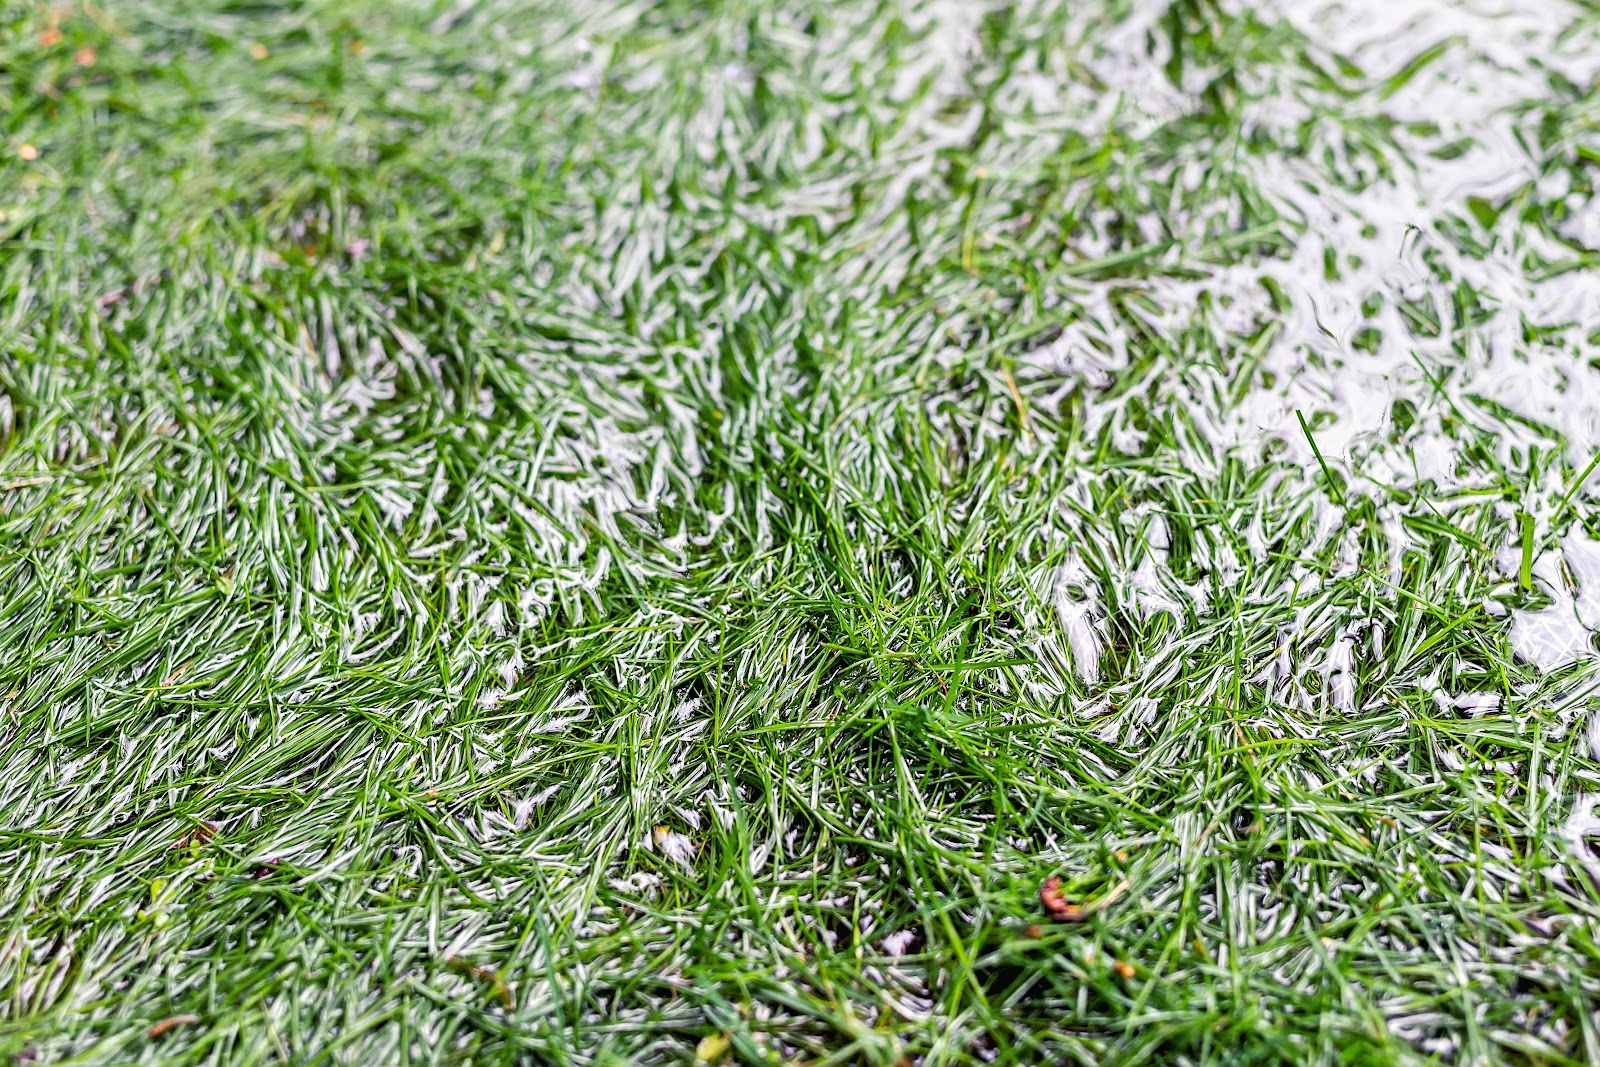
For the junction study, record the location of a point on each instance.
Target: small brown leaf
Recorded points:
(196, 837)
(1054, 903)
(483, 974)
(167, 1024)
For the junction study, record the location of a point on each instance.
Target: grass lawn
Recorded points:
(795, 532)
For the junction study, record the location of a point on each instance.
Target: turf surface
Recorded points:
(647, 533)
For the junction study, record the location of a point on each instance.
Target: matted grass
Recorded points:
(613, 532)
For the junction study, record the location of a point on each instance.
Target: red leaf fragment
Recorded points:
(167, 1024)
(1056, 904)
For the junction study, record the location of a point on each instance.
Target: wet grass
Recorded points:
(647, 534)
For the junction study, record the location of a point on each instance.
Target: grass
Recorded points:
(645, 533)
